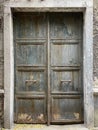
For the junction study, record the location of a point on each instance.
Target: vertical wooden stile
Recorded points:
(48, 69)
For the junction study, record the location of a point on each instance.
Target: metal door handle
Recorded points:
(30, 82)
(65, 81)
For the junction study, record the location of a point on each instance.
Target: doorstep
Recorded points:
(51, 127)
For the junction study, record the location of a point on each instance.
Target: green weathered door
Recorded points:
(48, 67)
(66, 67)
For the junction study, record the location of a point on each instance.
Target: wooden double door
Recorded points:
(48, 68)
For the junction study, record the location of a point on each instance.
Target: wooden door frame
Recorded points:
(86, 7)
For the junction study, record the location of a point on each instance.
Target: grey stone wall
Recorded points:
(1, 62)
(95, 38)
(95, 48)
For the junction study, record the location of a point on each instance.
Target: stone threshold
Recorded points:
(51, 127)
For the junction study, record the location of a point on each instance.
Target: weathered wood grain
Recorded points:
(48, 65)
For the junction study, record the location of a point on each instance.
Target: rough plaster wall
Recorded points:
(1, 61)
(95, 48)
(95, 38)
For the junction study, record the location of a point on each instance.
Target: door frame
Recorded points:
(86, 7)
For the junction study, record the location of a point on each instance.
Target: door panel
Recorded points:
(33, 81)
(30, 25)
(30, 110)
(64, 81)
(65, 25)
(31, 52)
(59, 52)
(48, 68)
(66, 109)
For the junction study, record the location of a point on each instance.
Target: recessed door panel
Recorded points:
(31, 53)
(31, 110)
(60, 52)
(30, 25)
(65, 81)
(32, 80)
(65, 25)
(66, 109)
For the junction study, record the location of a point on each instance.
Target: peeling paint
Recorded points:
(76, 115)
(95, 82)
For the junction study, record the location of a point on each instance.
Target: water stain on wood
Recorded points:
(48, 67)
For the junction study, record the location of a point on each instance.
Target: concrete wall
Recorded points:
(95, 57)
